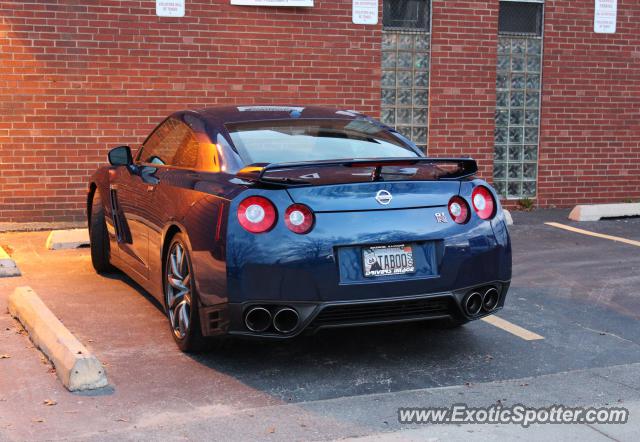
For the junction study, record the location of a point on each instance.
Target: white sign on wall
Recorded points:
(170, 8)
(365, 12)
(304, 3)
(604, 19)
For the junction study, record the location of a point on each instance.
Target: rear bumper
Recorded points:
(314, 316)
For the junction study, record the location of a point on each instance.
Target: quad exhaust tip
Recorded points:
(286, 320)
(473, 304)
(258, 319)
(490, 300)
(476, 302)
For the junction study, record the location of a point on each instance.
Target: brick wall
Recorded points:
(462, 97)
(590, 120)
(77, 78)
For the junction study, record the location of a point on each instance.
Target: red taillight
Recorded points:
(459, 210)
(256, 214)
(299, 218)
(483, 202)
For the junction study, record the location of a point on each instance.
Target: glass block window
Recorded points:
(405, 68)
(519, 67)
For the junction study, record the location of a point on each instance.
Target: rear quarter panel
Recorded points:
(197, 204)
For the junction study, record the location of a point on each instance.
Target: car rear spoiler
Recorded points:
(308, 172)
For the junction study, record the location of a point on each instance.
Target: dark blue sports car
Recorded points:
(271, 221)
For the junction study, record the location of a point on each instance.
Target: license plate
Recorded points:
(387, 260)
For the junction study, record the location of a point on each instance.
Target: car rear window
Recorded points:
(281, 141)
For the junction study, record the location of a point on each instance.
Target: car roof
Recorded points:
(238, 114)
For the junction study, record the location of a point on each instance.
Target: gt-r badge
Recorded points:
(441, 217)
(383, 197)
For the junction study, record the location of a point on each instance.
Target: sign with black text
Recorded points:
(605, 16)
(170, 8)
(365, 12)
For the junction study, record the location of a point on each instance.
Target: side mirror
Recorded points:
(120, 156)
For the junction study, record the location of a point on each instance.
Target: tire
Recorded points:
(181, 298)
(98, 237)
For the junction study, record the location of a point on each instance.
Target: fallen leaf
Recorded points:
(121, 419)
(271, 430)
(5, 356)
(38, 419)
(50, 402)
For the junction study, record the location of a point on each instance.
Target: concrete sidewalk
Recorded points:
(374, 417)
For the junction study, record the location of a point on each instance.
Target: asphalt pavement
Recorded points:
(578, 292)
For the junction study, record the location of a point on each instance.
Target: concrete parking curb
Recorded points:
(67, 239)
(77, 368)
(507, 217)
(595, 212)
(8, 266)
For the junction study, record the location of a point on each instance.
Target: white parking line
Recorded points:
(597, 235)
(505, 325)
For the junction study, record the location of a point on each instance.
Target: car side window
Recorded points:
(188, 151)
(163, 145)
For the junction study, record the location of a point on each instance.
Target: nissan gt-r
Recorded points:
(273, 221)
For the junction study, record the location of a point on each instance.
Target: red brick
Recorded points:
(76, 80)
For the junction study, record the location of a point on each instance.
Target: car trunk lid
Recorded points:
(365, 184)
(375, 196)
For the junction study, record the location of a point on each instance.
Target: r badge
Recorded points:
(441, 217)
